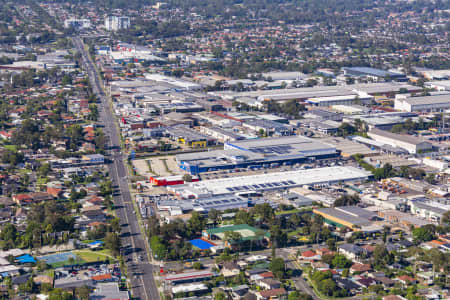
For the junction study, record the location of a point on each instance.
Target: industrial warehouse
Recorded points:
(353, 217)
(271, 181)
(256, 153)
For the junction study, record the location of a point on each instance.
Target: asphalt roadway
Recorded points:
(140, 271)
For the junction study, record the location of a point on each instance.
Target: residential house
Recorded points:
(358, 267)
(351, 251)
(349, 285)
(269, 283)
(406, 280)
(230, 269)
(310, 256)
(272, 294)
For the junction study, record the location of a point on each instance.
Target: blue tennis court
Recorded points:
(201, 244)
(57, 257)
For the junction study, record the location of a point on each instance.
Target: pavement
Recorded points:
(140, 270)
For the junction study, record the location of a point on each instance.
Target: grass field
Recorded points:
(93, 256)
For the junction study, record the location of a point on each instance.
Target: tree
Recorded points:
(423, 234)
(214, 215)
(112, 242)
(220, 296)
(446, 218)
(59, 294)
(296, 295)
(346, 129)
(381, 257)
(331, 244)
(278, 267)
(340, 262)
(346, 200)
(82, 292)
(187, 178)
(197, 265)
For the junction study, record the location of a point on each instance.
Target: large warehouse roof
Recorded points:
(280, 180)
(428, 100)
(347, 215)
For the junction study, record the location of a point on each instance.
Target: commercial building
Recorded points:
(189, 277)
(411, 144)
(256, 153)
(190, 288)
(179, 83)
(115, 23)
(376, 74)
(170, 180)
(270, 128)
(187, 136)
(428, 210)
(353, 217)
(300, 94)
(440, 85)
(203, 205)
(77, 23)
(221, 134)
(108, 290)
(274, 181)
(388, 89)
(341, 100)
(438, 103)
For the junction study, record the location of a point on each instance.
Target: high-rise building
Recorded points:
(115, 23)
(77, 23)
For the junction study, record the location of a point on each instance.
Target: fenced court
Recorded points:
(57, 257)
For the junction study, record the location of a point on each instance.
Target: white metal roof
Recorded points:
(280, 180)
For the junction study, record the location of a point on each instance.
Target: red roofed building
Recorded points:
(271, 294)
(103, 277)
(357, 267)
(405, 279)
(310, 255)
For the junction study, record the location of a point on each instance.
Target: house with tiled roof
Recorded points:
(271, 294)
(310, 255)
(406, 280)
(358, 267)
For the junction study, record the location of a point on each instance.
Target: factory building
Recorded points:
(409, 143)
(203, 205)
(187, 136)
(341, 100)
(431, 211)
(272, 181)
(376, 74)
(353, 217)
(255, 154)
(170, 180)
(438, 103)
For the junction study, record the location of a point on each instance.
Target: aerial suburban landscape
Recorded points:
(225, 149)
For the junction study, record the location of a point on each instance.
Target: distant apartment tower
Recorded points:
(115, 23)
(77, 23)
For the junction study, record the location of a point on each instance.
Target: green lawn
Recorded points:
(93, 256)
(11, 147)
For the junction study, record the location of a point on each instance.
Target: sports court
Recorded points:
(57, 257)
(201, 244)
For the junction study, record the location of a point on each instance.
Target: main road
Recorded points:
(140, 271)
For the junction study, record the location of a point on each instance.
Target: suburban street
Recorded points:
(140, 271)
